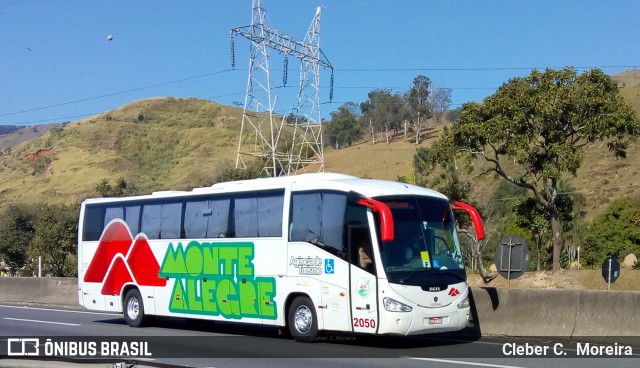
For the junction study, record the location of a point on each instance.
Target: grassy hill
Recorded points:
(163, 143)
(169, 143)
(629, 83)
(11, 136)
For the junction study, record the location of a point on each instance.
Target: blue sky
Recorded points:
(57, 65)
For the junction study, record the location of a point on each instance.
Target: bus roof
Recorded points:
(302, 182)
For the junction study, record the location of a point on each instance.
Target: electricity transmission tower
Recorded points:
(283, 146)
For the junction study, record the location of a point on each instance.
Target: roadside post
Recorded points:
(610, 270)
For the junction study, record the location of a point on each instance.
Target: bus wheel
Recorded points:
(302, 319)
(133, 308)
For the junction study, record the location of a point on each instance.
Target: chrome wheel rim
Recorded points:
(303, 319)
(133, 308)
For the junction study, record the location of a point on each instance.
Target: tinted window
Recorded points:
(113, 213)
(270, 215)
(319, 218)
(241, 215)
(207, 218)
(132, 218)
(245, 216)
(93, 223)
(258, 215)
(306, 217)
(196, 218)
(151, 220)
(171, 220)
(218, 218)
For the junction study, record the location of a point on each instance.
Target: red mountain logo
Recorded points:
(454, 292)
(120, 259)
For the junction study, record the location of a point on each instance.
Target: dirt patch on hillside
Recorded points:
(40, 153)
(575, 279)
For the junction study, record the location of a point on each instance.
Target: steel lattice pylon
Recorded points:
(282, 150)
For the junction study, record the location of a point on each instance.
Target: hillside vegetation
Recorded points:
(11, 136)
(162, 143)
(169, 143)
(601, 178)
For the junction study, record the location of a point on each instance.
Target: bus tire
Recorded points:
(302, 319)
(133, 308)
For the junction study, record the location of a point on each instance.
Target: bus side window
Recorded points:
(195, 221)
(170, 220)
(112, 213)
(151, 221)
(258, 215)
(132, 218)
(93, 222)
(318, 218)
(217, 215)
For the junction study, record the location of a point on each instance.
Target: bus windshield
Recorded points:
(425, 242)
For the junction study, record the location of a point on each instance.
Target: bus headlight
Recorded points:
(395, 306)
(464, 304)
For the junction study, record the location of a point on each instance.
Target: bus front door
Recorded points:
(363, 282)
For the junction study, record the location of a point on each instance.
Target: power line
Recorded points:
(115, 93)
(13, 2)
(475, 69)
(57, 118)
(227, 95)
(210, 97)
(395, 87)
(343, 87)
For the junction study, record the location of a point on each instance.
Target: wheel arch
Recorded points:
(125, 289)
(287, 304)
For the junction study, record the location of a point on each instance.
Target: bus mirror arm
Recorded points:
(386, 218)
(473, 214)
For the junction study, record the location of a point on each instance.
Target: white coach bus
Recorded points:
(313, 252)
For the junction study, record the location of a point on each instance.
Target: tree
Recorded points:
(440, 101)
(344, 127)
(453, 115)
(542, 123)
(419, 104)
(55, 238)
(531, 215)
(16, 232)
(107, 190)
(383, 110)
(228, 172)
(614, 232)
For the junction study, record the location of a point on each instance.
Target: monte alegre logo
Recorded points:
(121, 259)
(218, 279)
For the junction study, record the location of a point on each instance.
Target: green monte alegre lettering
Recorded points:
(218, 279)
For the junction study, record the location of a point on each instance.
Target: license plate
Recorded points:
(435, 320)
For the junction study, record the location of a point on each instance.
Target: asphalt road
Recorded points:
(208, 344)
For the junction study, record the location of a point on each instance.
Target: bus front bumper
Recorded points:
(424, 321)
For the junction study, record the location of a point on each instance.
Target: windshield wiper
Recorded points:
(456, 275)
(415, 271)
